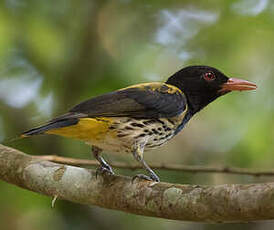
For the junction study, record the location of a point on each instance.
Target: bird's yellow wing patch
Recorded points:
(156, 86)
(86, 129)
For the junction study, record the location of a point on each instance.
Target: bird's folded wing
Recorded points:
(149, 100)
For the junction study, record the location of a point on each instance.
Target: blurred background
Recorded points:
(54, 54)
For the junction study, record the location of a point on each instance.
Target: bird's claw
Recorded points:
(152, 177)
(102, 169)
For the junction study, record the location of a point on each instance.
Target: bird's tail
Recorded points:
(51, 125)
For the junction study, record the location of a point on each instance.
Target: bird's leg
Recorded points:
(139, 156)
(104, 166)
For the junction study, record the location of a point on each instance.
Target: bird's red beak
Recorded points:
(235, 84)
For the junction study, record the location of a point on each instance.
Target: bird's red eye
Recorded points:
(209, 76)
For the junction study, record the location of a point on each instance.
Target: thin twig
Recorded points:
(171, 167)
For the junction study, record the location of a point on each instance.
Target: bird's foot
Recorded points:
(152, 177)
(102, 169)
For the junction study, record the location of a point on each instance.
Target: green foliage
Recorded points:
(53, 54)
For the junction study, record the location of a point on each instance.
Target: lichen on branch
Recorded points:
(220, 203)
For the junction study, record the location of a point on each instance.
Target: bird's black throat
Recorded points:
(199, 100)
(196, 99)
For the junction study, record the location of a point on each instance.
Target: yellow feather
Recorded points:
(154, 86)
(87, 129)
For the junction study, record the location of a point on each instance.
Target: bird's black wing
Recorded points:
(149, 100)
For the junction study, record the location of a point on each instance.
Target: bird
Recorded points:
(142, 117)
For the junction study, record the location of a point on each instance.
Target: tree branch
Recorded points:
(171, 167)
(221, 203)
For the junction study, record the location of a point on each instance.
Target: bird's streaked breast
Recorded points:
(119, 134)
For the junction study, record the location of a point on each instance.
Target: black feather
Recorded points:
(51, 125)
(138, 102)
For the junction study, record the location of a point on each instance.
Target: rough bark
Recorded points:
(221, 203)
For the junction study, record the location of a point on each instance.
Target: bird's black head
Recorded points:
(203, 84)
